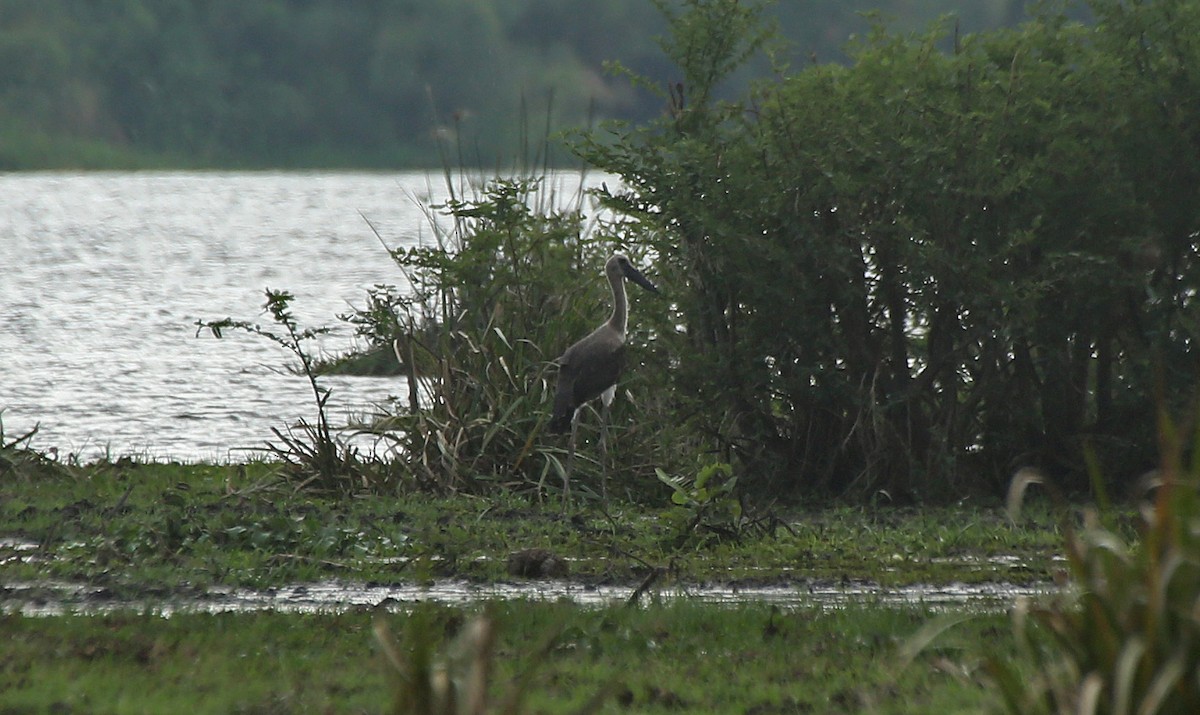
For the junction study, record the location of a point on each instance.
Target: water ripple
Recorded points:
(106, 273)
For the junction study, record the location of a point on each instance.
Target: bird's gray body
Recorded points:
(590, 368)
(587, 370)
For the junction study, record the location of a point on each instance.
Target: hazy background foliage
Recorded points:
(366, 83)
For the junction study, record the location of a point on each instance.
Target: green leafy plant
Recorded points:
(707, 503)
(714, 483)
(313, 453)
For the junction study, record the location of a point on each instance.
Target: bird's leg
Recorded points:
(606, 398)
(566, 495)
(604, 454)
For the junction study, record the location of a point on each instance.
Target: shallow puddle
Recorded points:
(51, 598)
(57, 598)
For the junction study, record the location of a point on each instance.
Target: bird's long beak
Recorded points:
(636, 276)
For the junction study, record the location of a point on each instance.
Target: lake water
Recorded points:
(103, 276)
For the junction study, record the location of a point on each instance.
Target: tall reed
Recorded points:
(510, 279)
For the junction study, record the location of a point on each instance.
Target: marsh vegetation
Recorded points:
(157, 537)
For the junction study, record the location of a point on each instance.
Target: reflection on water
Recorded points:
(105, 275)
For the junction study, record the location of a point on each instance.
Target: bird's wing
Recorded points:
(596, 372)
(585, 370)
(564, 405)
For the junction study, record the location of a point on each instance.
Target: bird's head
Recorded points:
(619, 265)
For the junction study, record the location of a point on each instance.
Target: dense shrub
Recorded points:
(916, 272)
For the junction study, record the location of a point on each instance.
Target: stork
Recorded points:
(590, 368)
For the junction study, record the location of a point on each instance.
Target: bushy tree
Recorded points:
(916, 272)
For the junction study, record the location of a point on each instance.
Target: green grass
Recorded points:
(663, 658)
(130, 526)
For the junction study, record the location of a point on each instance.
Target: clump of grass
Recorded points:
(18, 456)
(511, 279)
(1127, 639)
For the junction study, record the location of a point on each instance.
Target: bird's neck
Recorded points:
(620, 308)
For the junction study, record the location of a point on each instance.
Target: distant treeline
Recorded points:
(365, 83)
